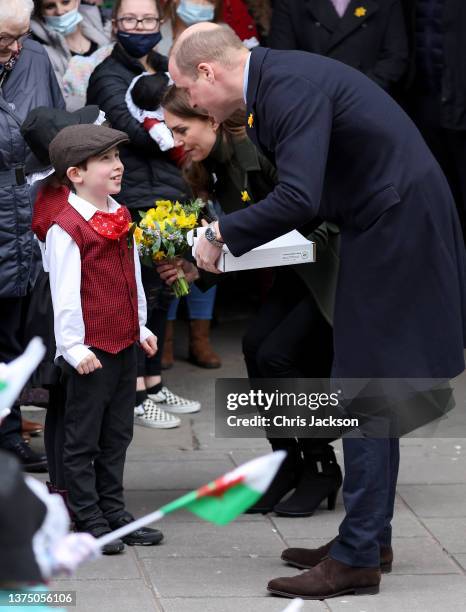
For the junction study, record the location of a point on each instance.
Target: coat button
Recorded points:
(317, 24)
(363, 25)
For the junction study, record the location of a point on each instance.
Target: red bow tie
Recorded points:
(110, 225)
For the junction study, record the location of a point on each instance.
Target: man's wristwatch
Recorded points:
(211, 236)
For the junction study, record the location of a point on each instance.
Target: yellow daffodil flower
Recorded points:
(245, 196)
(360, 11)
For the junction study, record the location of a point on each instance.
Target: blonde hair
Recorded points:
(205, 46)
(16, 10)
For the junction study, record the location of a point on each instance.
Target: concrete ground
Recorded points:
(205, 568)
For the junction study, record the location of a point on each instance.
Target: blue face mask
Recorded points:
(191, 13)
(138, 45)
(64, 24)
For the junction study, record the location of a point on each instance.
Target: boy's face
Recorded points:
(103, 174)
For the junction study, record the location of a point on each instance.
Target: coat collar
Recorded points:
(258, 55)
(356, 14)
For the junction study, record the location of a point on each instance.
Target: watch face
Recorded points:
(209, 234)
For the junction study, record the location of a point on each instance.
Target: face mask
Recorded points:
(138, 45)
(191, 13)
(64, 24)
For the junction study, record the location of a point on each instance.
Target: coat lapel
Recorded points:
(255, 64)
(323, 13)
(357, 13)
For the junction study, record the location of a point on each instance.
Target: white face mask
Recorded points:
(191, 13)
(64, 24)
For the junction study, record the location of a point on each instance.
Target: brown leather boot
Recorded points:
(330, 578)
(200, 351)
(306, 558)
(167, 356)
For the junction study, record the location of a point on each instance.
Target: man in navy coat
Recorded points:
(345, 153)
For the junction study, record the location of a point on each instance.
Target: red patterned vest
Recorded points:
(109, 296)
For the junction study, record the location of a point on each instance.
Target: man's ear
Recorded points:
(206, 70)
(74, 175)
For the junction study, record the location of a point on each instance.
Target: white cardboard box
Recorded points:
(291, 248)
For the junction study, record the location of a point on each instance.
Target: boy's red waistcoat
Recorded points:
(109, 296)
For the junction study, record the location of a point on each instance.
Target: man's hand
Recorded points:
(168, 271)
(207, 254)
(88, 364)
(149, 346)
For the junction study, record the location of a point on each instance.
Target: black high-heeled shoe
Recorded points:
(314, 486)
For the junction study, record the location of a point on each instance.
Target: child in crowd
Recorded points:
(99, 316)
(143, 99)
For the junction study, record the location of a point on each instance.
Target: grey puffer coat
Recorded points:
(30, 84)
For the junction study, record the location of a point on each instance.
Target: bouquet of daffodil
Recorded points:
(161, 234)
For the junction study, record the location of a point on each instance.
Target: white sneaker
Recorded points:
(171, 402)
(139, 410)
(155, 417)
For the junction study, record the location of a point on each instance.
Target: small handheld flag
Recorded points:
(220, 501)
(14, 375)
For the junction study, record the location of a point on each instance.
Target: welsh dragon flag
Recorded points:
(220, 501)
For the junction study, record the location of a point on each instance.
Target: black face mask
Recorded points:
(138, 45)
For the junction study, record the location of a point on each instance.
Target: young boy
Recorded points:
(99, 316)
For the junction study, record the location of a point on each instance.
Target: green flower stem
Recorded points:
(181, 285)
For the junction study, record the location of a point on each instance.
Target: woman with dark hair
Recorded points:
(225, 166)
(150, 175)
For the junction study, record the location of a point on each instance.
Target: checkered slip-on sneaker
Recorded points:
(156, 417)
(171, 402)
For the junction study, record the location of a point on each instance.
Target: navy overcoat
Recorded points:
(347, 153)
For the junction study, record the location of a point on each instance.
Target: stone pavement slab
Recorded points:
(450, 532)
(109, 595)
(235, 604)
(408, 594)
(197, 540)
(214, 577)
(426, 501)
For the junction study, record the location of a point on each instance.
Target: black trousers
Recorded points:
(280, 342)
(98, 428)
(13, 312)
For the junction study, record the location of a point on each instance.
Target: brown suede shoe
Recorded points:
(330, 578)
(305, 558)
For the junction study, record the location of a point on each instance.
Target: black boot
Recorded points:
(321, 479)
(285, 479)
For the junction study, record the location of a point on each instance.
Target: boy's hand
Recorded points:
(168, 271)
(88, 364)
(149, 346)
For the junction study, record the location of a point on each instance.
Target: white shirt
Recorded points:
(62, 260)
(246, 77)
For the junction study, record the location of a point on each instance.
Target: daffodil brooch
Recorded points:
(250, 120)
(360, 11)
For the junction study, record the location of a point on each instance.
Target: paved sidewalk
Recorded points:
(205, 568)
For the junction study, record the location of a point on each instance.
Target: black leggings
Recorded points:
(289, 338)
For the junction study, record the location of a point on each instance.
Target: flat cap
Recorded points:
(42, 124)
(76, 143)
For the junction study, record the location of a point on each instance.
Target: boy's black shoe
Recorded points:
(112, 548)
(145, 536)
(30, 460)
